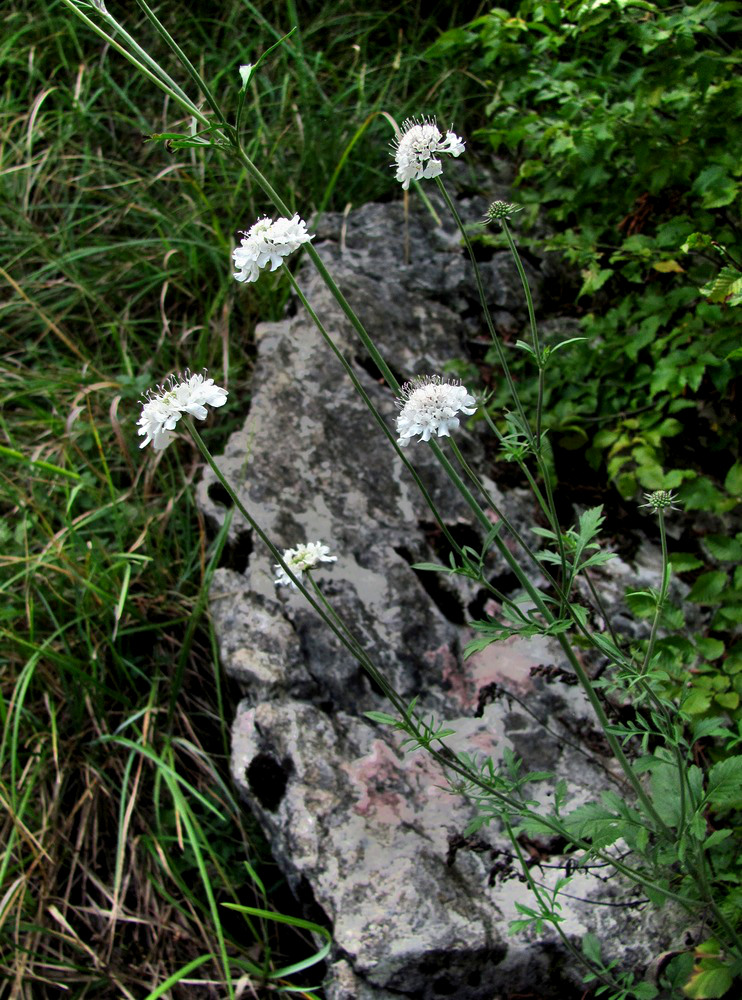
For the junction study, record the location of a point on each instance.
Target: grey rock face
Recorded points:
(417, 908)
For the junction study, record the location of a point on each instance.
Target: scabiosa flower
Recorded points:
(660, 500)
(429, 406)
(268, 242)
(415, 149)
(163, 407)
(500, 210)
(302, 558)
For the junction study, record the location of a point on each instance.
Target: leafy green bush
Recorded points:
(623, 118)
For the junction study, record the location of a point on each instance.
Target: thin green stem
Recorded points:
(548, 912)
(485, 309)
(342, 633)
(474, 479)
(145, 63)
(348, 368)
(534, 440)
(600, 607)
(612, 741)
(661, 599)
(354, 647)
(345, 306)
(196, 77)
(532, 322)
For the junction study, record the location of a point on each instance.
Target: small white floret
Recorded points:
(429, 406)
(162, 408)
(266, 243)
(302, 558)
(415, 150)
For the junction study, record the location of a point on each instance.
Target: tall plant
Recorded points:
(662, 820)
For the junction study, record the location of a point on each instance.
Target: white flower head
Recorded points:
(415, 149)
(302, 558)
(268, 242)
(429, 406)
(163, 407)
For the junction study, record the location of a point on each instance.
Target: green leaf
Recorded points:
(682, 562)
(382, 717)
(709, 587)
(626, 485)
(727, 699)
(666, 794)
(696, 702)
(710, 649)
(716, 838)
(715, 186)
(593, 278)
(591, 949)
(697, 241)
(708, 984)
(589, 524)
(733, 481)
(725, 782)
(700, 494)
(566, 343)
(644, 991)
(642, 603)
(724, 548)
(726, 286)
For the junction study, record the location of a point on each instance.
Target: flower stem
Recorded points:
(186, 64)
(548, 913)
(474, 479)
(662, 597)
(334, 622)
(445, 757)
(374, 412)
(532, 322)
(140, 59)
(485, 309)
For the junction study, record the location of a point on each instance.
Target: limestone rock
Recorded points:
(417, 907)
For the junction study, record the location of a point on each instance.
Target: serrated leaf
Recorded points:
(727, 285)
(642, 604)
(683, 562)
(591, 949)
(589, 523)
(697, 241)
(708, 727)
(644, 991)
(593, 278)
(717, 837)
(654, 895)
(708, 588)
(710, 649)
(725, 782)
(724, 548)
(727, 699)
(666, 793)
(696, 702)
(708, 984)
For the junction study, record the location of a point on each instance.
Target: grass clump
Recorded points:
(121, 836)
